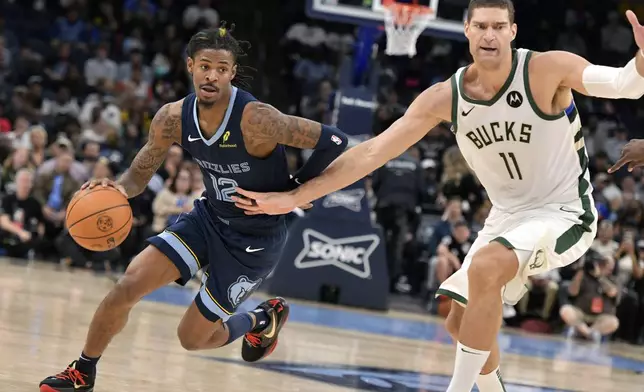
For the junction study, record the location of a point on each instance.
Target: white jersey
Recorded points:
(523, 157)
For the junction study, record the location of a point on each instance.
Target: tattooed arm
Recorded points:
(165, 130)
(263, 124)
(264, 127)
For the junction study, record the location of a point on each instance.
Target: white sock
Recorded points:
(467, 367)
(491, 382)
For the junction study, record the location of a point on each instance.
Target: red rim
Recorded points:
(404, 12)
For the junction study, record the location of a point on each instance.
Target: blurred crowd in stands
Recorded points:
(81, 80)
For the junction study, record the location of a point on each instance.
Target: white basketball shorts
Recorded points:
(543, 239)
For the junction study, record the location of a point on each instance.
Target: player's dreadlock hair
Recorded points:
(221, 38)
(503, 4)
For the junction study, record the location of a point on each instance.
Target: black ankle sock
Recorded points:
(261, 319)
(86, 364)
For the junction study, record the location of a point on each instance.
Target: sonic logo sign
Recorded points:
(350, 254)
(350, 199)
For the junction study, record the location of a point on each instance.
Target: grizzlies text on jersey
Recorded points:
(235, 251)
(226, 164)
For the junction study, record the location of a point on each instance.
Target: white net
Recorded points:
(403, 25)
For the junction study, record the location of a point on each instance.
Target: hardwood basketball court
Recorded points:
(44, 315)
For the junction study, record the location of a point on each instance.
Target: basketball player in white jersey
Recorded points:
(517, 126)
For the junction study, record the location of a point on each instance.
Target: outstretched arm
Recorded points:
(266, 126)
(428, 110)
(627, 82)
(164, 131)
(577, 73)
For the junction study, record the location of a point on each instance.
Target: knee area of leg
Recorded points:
(486, 271)
(614, 324)
(187, 342)
(566, 312)
(192, 341)
(126, 291)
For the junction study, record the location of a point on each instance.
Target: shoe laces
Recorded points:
(253, 339)
(276, 304)
(73, 375)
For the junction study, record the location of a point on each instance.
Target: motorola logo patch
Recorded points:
(515, 99)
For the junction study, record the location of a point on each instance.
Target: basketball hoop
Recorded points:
(403, 25)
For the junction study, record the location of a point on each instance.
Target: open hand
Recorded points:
(638, 29)
(271, 203)
(105, 182)
(632, 154)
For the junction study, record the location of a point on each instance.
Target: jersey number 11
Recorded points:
(510, 160)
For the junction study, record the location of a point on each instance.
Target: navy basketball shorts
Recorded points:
(234, 263)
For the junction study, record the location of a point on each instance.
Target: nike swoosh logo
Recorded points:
(469, 352)
(250, 250)
(566, 210)
(297, 181)
(271, 333)
(191, 139)
(465, 114)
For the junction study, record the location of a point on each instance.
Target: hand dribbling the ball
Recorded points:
(105, 182)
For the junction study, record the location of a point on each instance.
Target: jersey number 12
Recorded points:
(224, 188)
(511, 164)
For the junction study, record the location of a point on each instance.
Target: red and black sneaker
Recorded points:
(69, 380)
(258, 345)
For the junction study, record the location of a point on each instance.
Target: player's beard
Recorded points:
(205, 104)
(208, 99)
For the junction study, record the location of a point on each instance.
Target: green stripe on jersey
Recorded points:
(454, 104)
(573, 235)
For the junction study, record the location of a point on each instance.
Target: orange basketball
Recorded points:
(99, 219)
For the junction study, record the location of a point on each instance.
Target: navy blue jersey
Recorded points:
(226, 164)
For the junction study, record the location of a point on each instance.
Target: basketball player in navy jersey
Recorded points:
(238, 142)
